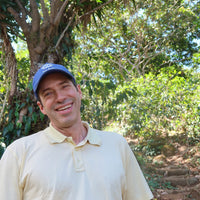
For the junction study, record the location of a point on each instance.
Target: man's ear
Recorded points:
(79, 90)
(41, 107)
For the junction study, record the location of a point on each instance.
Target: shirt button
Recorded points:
(78, 160)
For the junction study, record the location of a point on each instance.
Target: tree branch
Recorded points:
(60, 13)
(97, 8)
(45, 13)
(23, 10)
(63, 33)
(55, 7)
(21, 21)
(35, 16)
(121, 66)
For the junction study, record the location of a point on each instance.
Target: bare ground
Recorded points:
(178, 173)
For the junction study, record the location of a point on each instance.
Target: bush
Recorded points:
(165, 105)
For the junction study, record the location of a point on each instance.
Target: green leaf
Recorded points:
(30, 109)
(34, 117)
(27, 126)
(41, 116)
(22, 105)
(18, 133)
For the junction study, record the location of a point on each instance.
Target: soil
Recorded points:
(178, 173)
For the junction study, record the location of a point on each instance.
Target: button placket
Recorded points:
(78, 159)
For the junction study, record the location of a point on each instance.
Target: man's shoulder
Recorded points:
(27, 140)
(110, 136)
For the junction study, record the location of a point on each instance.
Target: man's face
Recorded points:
(60, 100)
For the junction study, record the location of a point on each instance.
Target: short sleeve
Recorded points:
(136, 185)
(9, 176)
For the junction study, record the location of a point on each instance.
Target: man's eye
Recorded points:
(47, 94)
(65, 86)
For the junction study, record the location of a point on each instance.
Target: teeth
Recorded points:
(68, 106)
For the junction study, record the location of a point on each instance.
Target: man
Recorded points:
(68, 160)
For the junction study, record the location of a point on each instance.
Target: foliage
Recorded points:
(165, 105)
(23, 73)
(152, 107)
(145, 37)
(22, 117)
(15, 125)
(4, 86)
(2, 148)
(154, 182)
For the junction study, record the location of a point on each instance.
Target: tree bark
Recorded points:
(11, 63)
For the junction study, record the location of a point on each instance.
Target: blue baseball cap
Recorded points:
(49, 68)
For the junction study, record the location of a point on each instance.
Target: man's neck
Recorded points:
(77, 132)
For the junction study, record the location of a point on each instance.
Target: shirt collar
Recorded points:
(92, 137)
(55, 136)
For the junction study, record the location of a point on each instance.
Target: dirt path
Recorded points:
(179, 174)
(184, 181)
(182, 171)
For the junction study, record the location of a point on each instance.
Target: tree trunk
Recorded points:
(11, 63)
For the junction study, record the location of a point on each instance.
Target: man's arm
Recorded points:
(9, 177)
(137, 187)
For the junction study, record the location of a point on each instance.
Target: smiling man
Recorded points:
(69, 160)
(60, 100)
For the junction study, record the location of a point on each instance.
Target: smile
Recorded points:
(65, 107)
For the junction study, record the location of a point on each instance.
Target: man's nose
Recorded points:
(60, 96)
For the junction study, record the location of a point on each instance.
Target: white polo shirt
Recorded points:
(50, 166)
